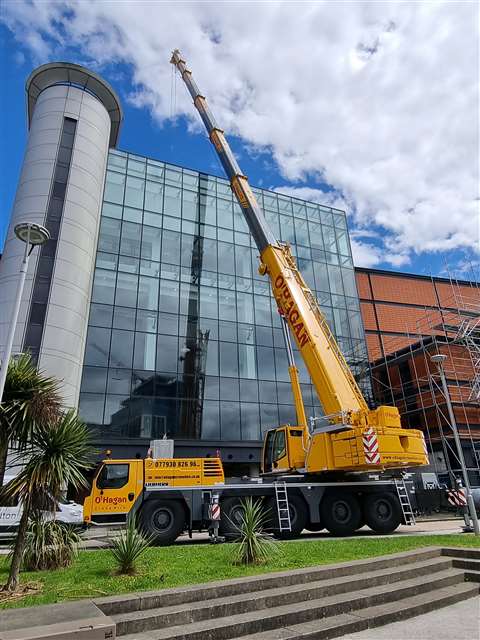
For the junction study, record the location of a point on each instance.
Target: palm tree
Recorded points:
(58, 455)
(29, 398)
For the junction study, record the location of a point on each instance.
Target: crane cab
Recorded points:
(283, 450)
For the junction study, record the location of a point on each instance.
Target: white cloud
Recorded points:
(377, 100)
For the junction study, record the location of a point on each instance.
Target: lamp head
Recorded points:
(32, 233)
(438, 358)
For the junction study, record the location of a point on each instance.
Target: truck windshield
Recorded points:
(113, 476)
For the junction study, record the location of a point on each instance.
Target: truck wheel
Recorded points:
(231, 512)
(341, 513)
(382, 512)
(298, 517)
(163, 520)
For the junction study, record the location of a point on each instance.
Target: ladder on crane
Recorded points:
(283, 510)
(405, 504)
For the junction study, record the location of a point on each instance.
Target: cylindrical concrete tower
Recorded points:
(74, 117)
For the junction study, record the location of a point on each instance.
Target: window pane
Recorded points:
(154, 197)
(226, 258)
(243, 264)
(124, 318)
(103, 286)
(211, 367)
(210, 420)
(167, 353)
(151, 243)
(173, 201)
(114, 187)
(100, 315)
(190, 205)
(121, 350)
(250, 417)
(349, 283)
(169, 295)
(226, 305)
(266, 364)
(144, 354)
(109, 236)
(147, 321)
(335, 278)
(245, 307)
(208, 302)
(131, 234)
(119, 381)
(94, 380)
(263, 314)
(126, 295)
(134, 192)
(147, 293)
(171, 247)
(230, 420)
(97, 347)
(228, 359)
(91, 408)
(247, 364)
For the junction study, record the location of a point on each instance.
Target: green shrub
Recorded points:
(254, 545)
(49, 545)
(128, 547)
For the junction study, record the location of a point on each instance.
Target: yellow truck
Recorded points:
(323, 474)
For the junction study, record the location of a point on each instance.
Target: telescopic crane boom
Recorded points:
(338, 445)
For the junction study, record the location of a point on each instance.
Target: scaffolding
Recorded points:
(404, 375)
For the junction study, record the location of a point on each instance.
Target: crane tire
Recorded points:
(162, 520)
(340, 513)
(382, 512)
(230, 512)
(298, 517)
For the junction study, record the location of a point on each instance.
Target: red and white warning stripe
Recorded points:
(457, 497)
(370, 446)
(215, 511)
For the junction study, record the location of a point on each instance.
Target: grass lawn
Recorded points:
(92, 574)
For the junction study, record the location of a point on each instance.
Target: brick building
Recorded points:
(407, 319)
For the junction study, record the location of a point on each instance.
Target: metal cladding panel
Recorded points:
(64, 330)
(30, 204)
(63, 348)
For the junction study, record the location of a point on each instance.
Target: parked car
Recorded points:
(62, 510)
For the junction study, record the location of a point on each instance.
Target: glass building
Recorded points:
(184, 338)
(146, 302)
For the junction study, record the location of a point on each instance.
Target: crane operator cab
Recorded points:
(283, 450)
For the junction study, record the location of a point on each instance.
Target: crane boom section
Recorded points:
(331, 376)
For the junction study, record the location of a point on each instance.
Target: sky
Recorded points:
(371, 107)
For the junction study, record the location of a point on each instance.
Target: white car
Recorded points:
(66, 511)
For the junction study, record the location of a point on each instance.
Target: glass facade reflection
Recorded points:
(183, 337)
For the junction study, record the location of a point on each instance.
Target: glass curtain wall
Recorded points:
(183, 337)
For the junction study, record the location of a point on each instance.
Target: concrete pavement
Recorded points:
(459, 621)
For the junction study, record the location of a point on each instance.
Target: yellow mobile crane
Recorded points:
(353, 437)
(311, 478)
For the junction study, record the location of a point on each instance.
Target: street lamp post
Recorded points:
(31, 234)
(439, 359)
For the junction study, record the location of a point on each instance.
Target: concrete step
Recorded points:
(168, 597)
(466, 563)
(186, 613)
(472, 576)
(363, 619)
(233, 625)
(471, 553)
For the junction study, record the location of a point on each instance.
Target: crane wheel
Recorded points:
(162, 520)
(340, 513)
(382, 512)
(298, 517)
(231, 512)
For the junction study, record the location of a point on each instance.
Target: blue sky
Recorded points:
(374, 123)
